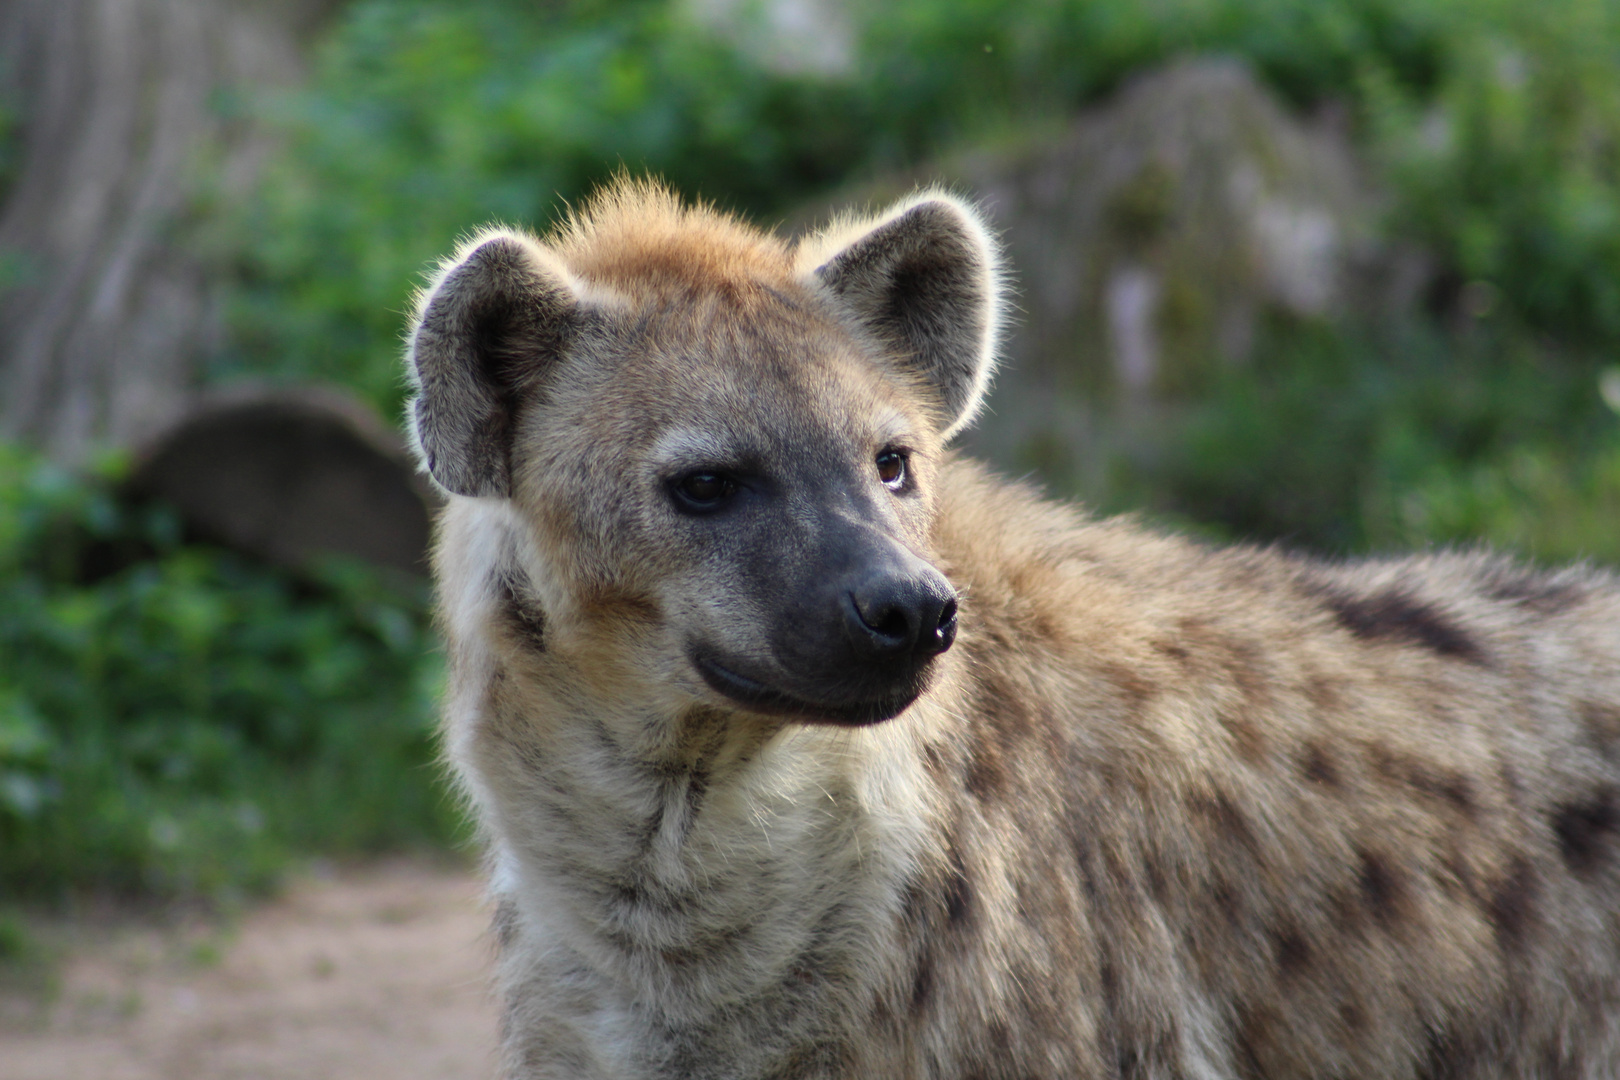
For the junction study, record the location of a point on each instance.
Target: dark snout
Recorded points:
(900, 613)
(853, 636)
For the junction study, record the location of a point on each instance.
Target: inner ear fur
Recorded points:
(925, 280)
(499, 316)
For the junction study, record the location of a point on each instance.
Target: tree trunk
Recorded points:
(106, 303)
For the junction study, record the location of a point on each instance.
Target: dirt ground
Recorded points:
(363, 974)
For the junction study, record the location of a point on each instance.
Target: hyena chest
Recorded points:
(714, 934)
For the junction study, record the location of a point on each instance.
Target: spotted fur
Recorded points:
(1161, 811)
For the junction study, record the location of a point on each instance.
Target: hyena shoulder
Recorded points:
(805, 748)
(1356, 819)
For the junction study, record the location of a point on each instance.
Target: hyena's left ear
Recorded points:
(493, 325)
(925, 279)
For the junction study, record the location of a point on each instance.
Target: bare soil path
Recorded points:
(363, 974)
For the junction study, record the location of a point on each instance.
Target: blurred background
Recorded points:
(1342, 275)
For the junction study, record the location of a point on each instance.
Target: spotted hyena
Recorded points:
(807, 749)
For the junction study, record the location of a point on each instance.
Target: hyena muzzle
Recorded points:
(805, 749)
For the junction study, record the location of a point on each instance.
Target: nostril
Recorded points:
(892, 624)
(886, 620)
(943, 632)
(901, 619)
(882, 622)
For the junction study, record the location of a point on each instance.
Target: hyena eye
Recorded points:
(891, 468)
(704, 490)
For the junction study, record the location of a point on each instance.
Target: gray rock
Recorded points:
(788, 37)
(292, 475)
(1152, 237)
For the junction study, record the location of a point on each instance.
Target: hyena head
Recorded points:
(721, 447)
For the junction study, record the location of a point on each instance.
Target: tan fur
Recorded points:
(1161, 811)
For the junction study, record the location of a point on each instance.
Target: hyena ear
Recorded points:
(500, 314)
(925, 279)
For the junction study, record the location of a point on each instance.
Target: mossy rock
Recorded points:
(1152, 238)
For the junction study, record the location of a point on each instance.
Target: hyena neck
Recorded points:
(733, 823)
(687, 855)
(761, 871)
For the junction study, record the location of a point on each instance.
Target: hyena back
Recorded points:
(805, 749)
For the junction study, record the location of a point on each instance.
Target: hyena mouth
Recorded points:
(762, 698)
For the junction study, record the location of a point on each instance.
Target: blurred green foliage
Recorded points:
(1480, 420)
(430, 118)
(1510, 171)
(178, 720)
(1390, 438)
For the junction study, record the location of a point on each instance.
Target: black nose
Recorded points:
(893, 617)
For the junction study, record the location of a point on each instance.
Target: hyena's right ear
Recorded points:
(496, 320)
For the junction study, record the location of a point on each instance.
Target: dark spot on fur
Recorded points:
(1457, 880)
(505, 924)
(1108, 979)
(1384, 762)
(1540, 593)
(1561, 1062)
(1256, 1039)
(914, 905)
(1447, 785)
(697, 785)
(1585, 830)
(1396, 615)
(922, 983)
(810, 1060)
(1083, 861)
(1353, 1017)
(1293, 951)
(1602, 722)
(1227, 899)
(986, 775)
(1322, 693)
(1457, 789)
(523, 616)
(1437, 782)
(1115, 871)
(1445, 1057)
(1512, 786)
(1225, 820)
(1384, 888)
(528, 755)
(1251, 744)
(507, 1028)
(1243, 662)
(958, 892)
(1195, 631)
(631, 606)
(1249, 670)
(1349, 912)
(1130, 685)
(603, 737)
(1512, 902)
(1004, 723)
(1600, 715)
(1319, 766)
(1172, 650)
(883, 1018)
(627, 894)
(934, 761)
(1158, 887)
